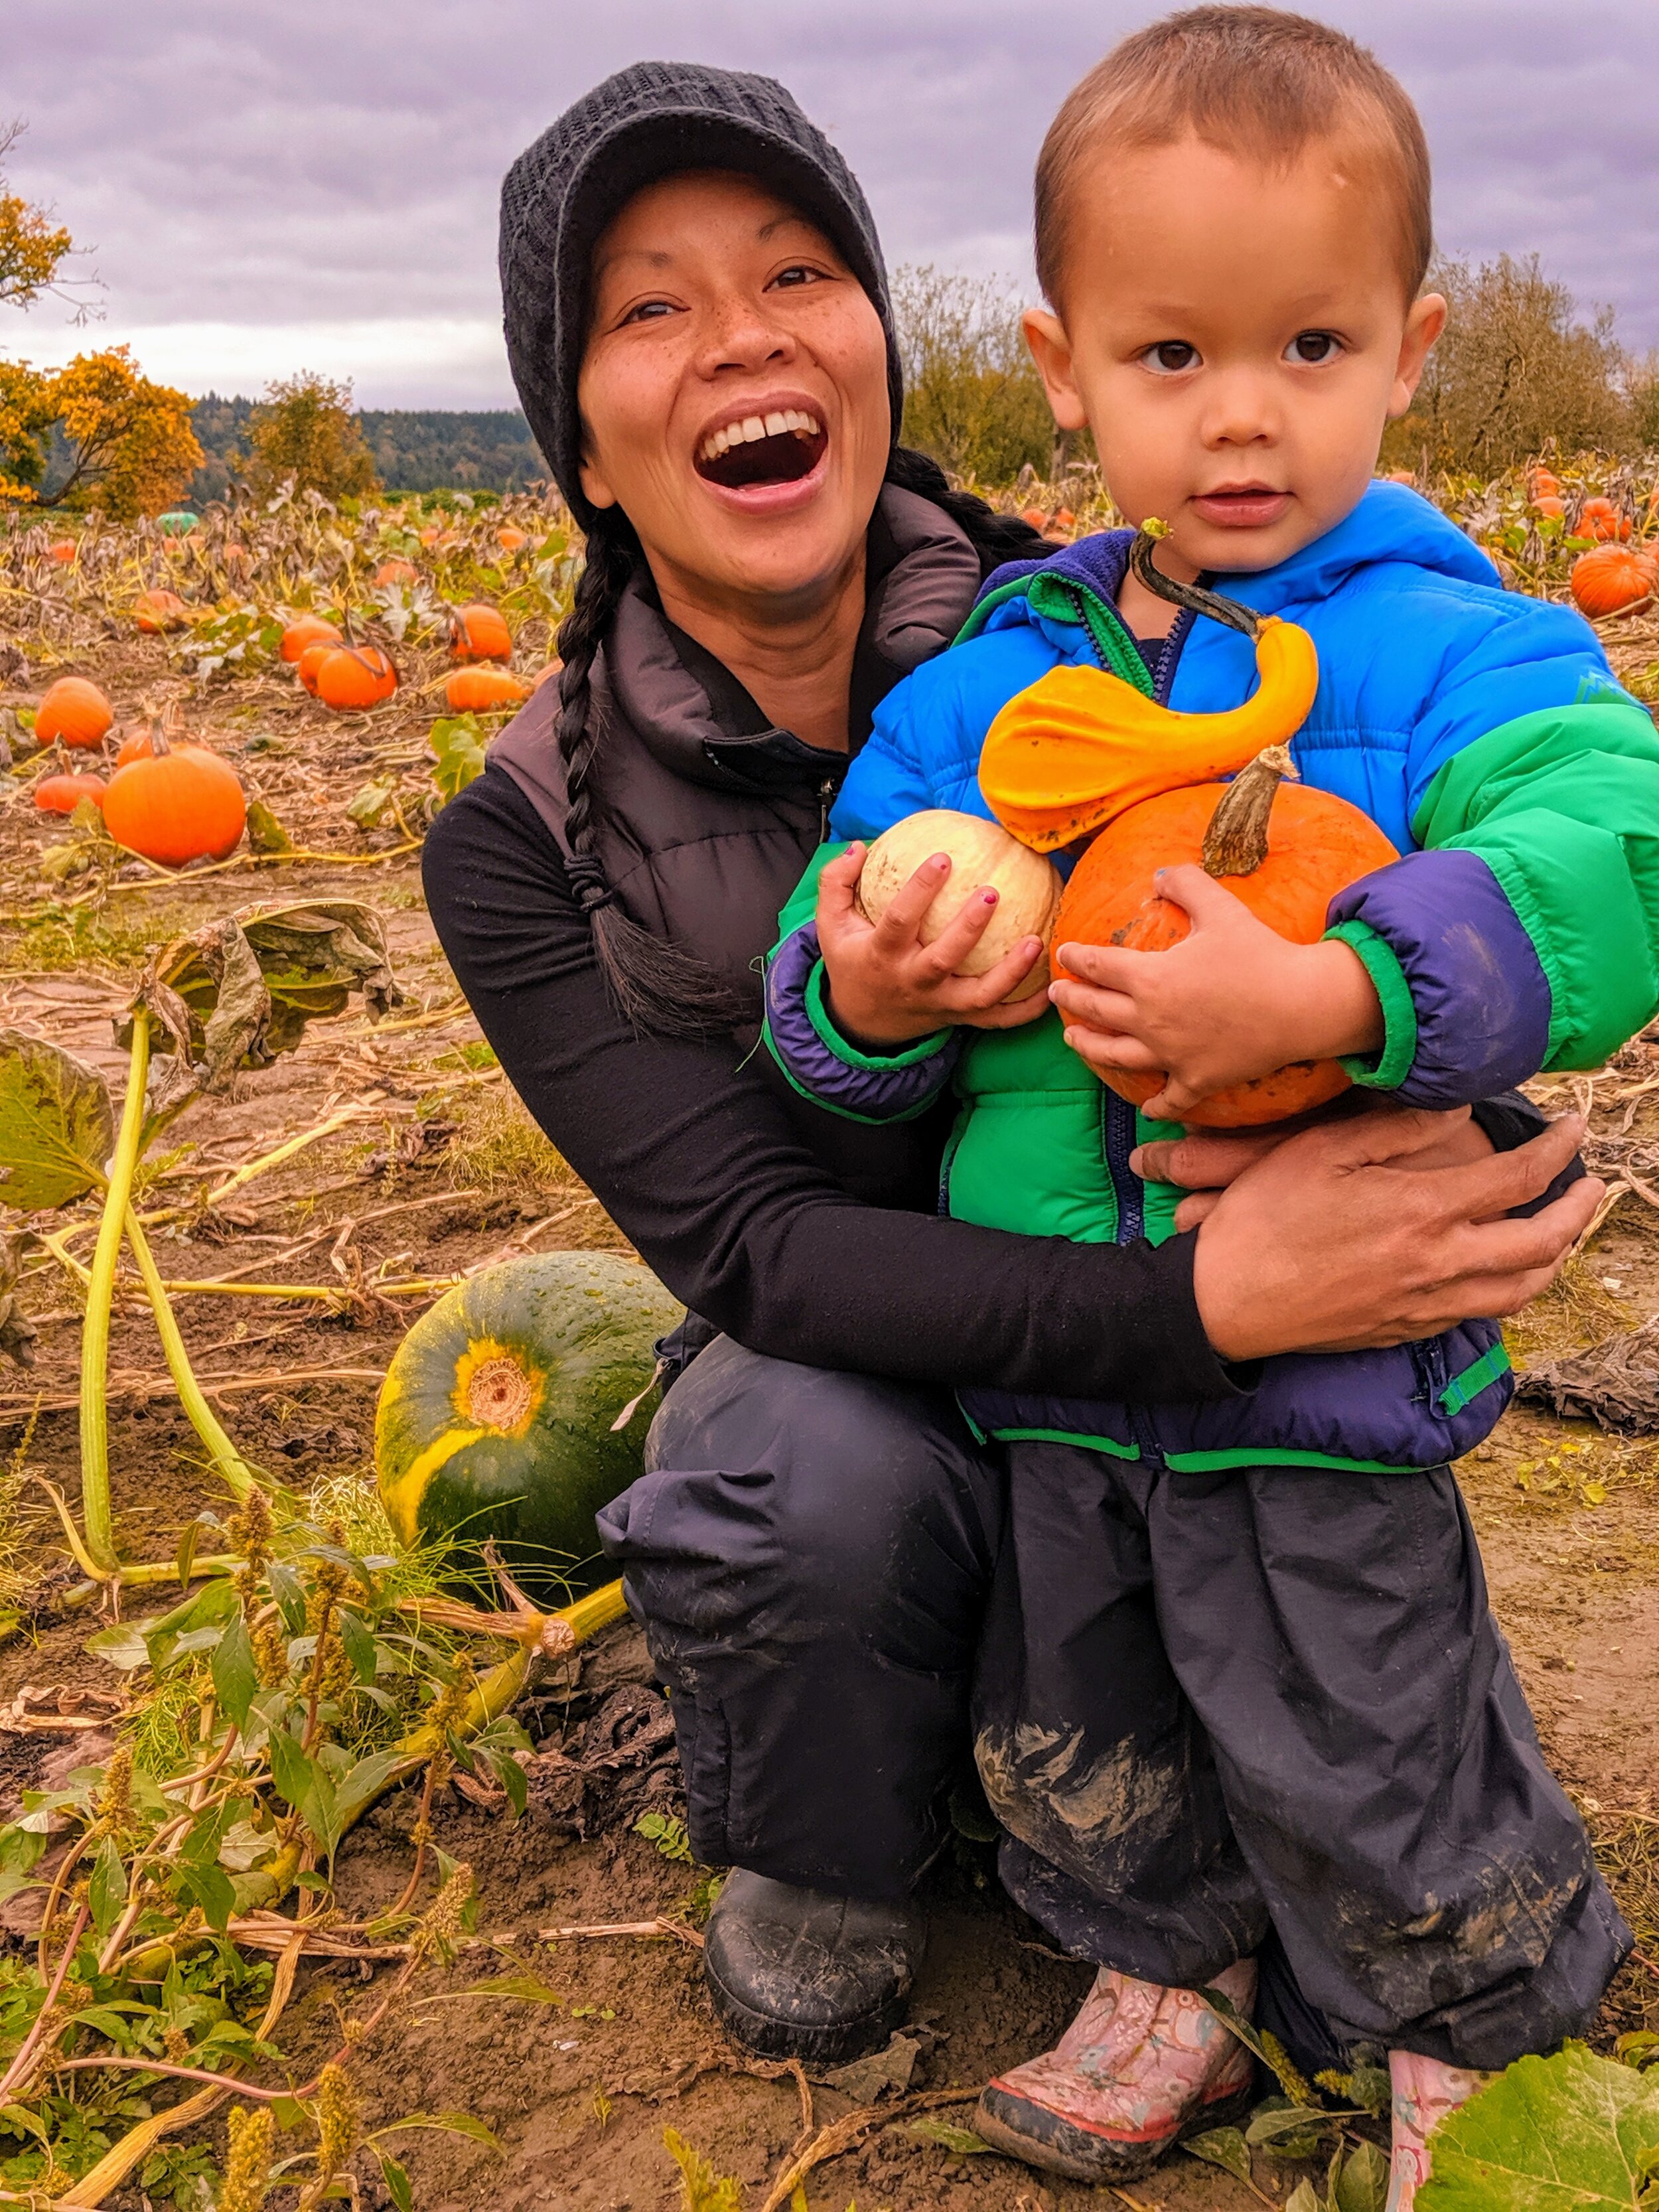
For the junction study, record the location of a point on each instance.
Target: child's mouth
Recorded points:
(1242, 506)
(778, 447)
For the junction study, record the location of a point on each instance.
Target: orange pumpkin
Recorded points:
(1549, 503)
(1284, 853)
(431, 534)
(511, 539)
(181, 804)
(351, 677)
(483, 690)
(396, 571)
(313, 658)
(479, 632)
(62, 550)
(1400, 476)
(61, 794)
(1613, 579)
(1543, 483)
(75, 711)
(159, 610)
(1601, 520)
(306, 630)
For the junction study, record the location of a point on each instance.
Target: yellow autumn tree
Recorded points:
(33, 247)
(131, 450)
(306, 429)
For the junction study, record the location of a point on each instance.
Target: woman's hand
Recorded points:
(1351, 1235)
(1232, 1001)
(887, 988)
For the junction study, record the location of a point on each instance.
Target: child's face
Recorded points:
(1236, 337)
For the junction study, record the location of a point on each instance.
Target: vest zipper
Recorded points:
(827, 791)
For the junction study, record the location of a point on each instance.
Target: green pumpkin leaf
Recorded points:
(57, 1124)
(1222, 2147)
(236, 1677)
(457, 744)
(1563, 2134)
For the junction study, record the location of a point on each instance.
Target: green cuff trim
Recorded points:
(1387, 1069)
(1489, 1368)
(818, 1014)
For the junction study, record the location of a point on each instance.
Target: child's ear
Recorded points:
(1423, 326)
(1051, 349)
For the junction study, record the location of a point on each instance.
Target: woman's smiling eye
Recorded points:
(1311, 347)
(1169, 356)
(796, 275)
(647, 311)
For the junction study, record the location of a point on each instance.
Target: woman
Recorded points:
(697, 318)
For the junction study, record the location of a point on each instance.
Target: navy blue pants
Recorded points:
(1212, 1712)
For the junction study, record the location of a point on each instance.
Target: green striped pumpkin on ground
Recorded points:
(494, 1418)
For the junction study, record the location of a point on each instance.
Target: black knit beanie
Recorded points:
(652, 120)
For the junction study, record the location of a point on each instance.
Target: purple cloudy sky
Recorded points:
(279, 183)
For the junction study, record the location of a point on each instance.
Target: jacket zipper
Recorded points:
(827, 791)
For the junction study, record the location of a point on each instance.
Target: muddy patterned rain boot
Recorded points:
(1140, 2067)
(1424, 2091)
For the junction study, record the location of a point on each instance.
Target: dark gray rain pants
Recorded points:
(1209, 1710)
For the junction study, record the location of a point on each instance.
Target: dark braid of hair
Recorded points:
(995, 537)
(659, 987)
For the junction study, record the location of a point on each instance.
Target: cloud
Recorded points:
(286, 183)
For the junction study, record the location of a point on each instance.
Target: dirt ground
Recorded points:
(436, 1169)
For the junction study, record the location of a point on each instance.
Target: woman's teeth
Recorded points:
(754, 427)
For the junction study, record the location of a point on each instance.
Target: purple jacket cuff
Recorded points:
(1482, 998)
(824, 1067)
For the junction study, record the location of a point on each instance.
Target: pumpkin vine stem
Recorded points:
(1194, 597)
(1236, 843)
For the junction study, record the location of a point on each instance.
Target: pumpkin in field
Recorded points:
(983, 857)
(178, 803)
(304, 631)
(511, 539)
(310, 660)
(62, 550)
(479, 632)
(483, 690)
(1599, 519)
(497, 1417)
(1613, 579)
(1284, 853)
(349, 678)
(1543, 483)
(74, 711)
(61, 794)
(155, 611)
(1551, 505)
(396, 571)
(1079, 746)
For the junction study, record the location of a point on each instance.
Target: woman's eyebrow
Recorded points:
(653, 254)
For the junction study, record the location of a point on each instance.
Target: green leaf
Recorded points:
(1286, 2123)
(1304, 2198)
(397, 2184)
(1222, 2147)
(358, 1637)
(236, 1677)
(1566, 2131)
(512, 1779)
(1362, 2184)
(454, 2124)
(57, 1124)
(122, 1646)
(107, 1891)
(960, 2140)
(265, 833)
(364, 1782)
(458, 743)
(210, 1887)
(289, 1593)
(290, 1769)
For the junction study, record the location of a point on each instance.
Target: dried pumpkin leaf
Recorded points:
(57, 1124)
(1222, 2147)
(265, 833)
(1571, 2131)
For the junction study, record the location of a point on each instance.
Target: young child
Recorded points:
(1241, 1687)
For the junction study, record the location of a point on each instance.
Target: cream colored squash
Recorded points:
(983, 856)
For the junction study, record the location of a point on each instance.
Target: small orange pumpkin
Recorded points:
(1286, 853)
(483, 690)
(351, 677)
(396, 571)
(1549, 503)
(62, 550)
(1613, 579)
(75, 712)
(511, 539)
(306, 630)
(479, 632)
(61, 794)
(1542, 482)
(181, 804)
(159, 610)
(431, 534)
(1599, 519)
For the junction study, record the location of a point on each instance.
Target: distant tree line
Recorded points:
(407, 449)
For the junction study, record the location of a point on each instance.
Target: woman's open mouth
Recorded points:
(776, 448)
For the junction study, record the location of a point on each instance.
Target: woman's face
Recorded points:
(733, 393)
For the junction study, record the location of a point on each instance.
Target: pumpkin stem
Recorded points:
(1236, 843)
(1192, 596)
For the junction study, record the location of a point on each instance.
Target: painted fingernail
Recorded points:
(940, 861)
(989, 897)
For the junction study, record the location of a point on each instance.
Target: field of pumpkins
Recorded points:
(337, 1793)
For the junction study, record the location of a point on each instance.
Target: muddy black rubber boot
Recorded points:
(796, 1973)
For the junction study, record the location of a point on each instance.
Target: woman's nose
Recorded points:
(739, 334)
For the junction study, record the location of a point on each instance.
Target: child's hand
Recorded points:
(1233, 1000)
(887, 988)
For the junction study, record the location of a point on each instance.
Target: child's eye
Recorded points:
(1313, 347)
(1169, 357)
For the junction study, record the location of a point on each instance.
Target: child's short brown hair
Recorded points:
(1255, 80)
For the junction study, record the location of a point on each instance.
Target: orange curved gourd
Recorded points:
(1311, 846)
(483, 690)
